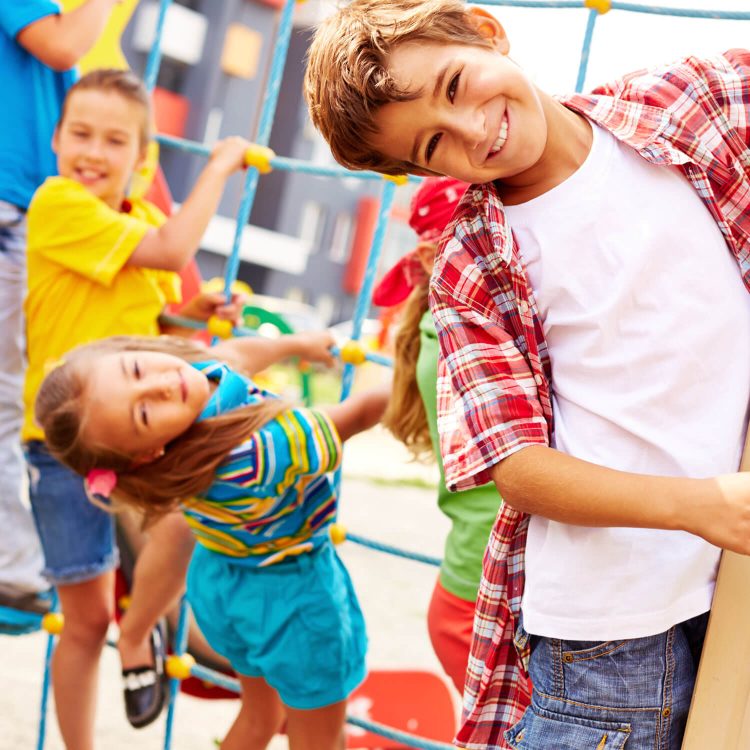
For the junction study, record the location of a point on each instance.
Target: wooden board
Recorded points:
(720, 710)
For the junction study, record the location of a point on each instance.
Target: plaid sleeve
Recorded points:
(488, 403)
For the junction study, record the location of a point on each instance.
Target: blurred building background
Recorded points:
(308, 237)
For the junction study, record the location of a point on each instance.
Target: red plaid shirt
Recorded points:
(494, 387)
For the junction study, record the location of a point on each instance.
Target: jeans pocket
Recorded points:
(542, 730)
(574, 651)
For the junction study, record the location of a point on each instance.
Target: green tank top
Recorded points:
(472, 512)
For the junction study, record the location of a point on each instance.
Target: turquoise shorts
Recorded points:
(296, 624)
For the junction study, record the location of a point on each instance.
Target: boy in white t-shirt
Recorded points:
(619, 301)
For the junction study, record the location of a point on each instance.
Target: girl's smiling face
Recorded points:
(138, 401)
(99, 142)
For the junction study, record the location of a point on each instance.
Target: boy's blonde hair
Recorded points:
(120, 82)
(189, 463)
(347, 78)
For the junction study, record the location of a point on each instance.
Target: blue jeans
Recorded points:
(615, 695)
(77, 537)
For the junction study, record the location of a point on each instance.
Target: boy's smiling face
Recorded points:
(98, 142)
(475, 116)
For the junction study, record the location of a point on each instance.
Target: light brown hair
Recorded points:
(405, 415)
(189, 463)
(120, 82)
(347, 78)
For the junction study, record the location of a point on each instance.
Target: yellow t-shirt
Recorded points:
(79, 288)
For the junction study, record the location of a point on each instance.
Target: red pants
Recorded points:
(449, 622)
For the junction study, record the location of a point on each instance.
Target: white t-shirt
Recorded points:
(648, 326)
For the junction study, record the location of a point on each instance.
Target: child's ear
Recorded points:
(142, 157)
(490, 28)
(56, 139)
(426, 254)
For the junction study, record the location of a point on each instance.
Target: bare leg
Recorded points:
(158, 582)
(88, 609)
(317, 729)
(261, 716)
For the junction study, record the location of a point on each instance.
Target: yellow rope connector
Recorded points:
(179, 667)
(397, 179)
(337, 533)
(219, 327)
(260, 158)
(53, 623)
(353, 353)
(600, 6)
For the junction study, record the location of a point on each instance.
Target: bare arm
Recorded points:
(173, 244)
(253, 354)
(60, 41)
(545, 482)
(359, 412)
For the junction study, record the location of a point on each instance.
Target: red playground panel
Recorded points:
(416, 702)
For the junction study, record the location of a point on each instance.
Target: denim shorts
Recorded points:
(296, 624)
(614, 695)
(77, 537)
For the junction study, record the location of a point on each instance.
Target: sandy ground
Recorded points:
(394, 595)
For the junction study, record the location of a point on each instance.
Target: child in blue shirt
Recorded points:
(153, 424)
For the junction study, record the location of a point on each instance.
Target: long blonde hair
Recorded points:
(189, 463)
(405, 415)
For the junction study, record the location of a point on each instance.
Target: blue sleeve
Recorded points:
(16, 15)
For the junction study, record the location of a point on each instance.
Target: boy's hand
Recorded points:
(725, 517)
(204, 305)
(228, 155)
(314, 346)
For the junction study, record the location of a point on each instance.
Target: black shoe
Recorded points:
(39, 603)
(145, 688)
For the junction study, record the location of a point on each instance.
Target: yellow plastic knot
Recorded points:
(219, 327)
(337, 532)
(352, 353)
(123, 602)
(53, 623)
(260, 158)
(179, 667)
(397, 179)
(600, 6)
(216, 284)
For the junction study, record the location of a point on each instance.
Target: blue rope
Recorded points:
(180, 647)
(391, 550)
(154, 56)
(49, 648)
(232, 684)
(368, 282)
(264, 136)
(736, 15)
(199, 325)
(587, 39)
(281, 163)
